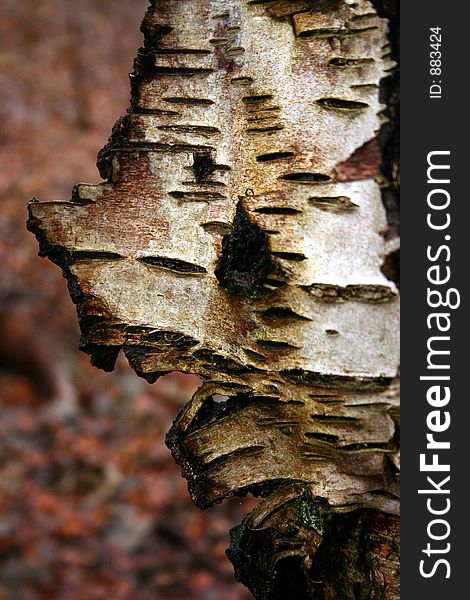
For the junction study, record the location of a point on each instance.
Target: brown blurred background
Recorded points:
(92, 506)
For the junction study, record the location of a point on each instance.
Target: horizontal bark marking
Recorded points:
(323, 437)
(221, 460)
(282, 313)
(342, 104)
(196, 129)
(84, 255)
(172, 339)
(173, 264)
(217, 362)
(327, 397)
(333, 203)
(217, 227)
(275, 346)
(181, 51)
(363, 17)
(205, 184)
(272, 129)
(334, 32)
(361, 293)
(292, 256)
(273, 283)
(333, 419)
(255, 109)
(242, 80)
(306, 177)
(183, 71)
(219, 41)
(255, 355)
(188, 100)
(344, 62)
(235, 51)
(271, 156)
(196, 196)
(261, 118)
(130, 146)
(255, 2)
(257, 98)
(365, 446)
(364, 86)
(139, 110)
(274, 421)
(277, 210)
(336, 382)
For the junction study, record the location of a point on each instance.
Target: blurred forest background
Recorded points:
(92, 506)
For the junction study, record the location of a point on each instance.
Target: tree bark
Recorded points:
(241, 234)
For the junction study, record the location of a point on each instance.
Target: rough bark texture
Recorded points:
(241, 235)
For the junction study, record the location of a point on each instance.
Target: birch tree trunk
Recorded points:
(241, 234)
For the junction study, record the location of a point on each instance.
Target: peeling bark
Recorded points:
(241, 234)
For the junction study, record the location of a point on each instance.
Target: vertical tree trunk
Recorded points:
(241, 235)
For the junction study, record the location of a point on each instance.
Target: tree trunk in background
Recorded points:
(242, 235)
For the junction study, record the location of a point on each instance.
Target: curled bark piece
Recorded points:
(295, 545)
(273, 549)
